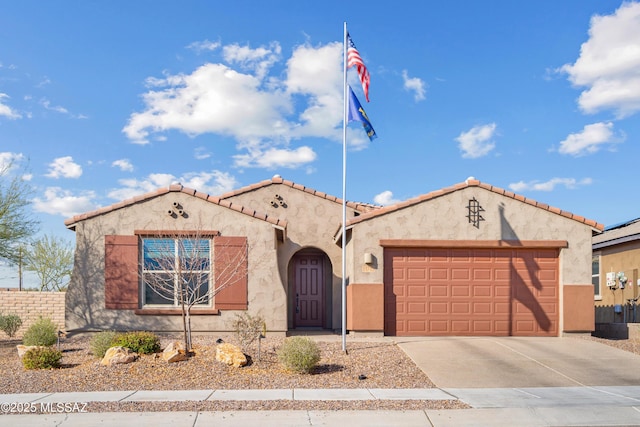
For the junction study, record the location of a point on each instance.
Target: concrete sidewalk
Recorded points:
(542, 406)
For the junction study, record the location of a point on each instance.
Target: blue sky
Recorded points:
(101, 101)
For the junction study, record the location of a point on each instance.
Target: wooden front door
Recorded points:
(309, 290)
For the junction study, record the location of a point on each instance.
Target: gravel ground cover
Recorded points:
(382, 362)
(377, 364)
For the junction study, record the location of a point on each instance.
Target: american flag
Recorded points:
(354, 59)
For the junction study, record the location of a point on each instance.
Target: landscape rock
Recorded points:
(174, 356)
(116, 355)
(230, 354)
(174, 352)
(173, 346)
(22, 349)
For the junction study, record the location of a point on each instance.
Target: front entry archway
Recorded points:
(309, 289)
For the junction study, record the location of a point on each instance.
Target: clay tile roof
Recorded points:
(471, 183)
(70, 223)
(357, 206)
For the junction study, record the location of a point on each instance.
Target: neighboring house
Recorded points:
(615, 264)
(471, 259)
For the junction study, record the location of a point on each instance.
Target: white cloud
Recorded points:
(316, 73)
(385, 198)
(204, 45)
(58, 109)
(609, 63)
(5, 110)
(124, 165)
(415, 85)
(64, 167)
(214, 183)
(62, 202)
(213, 99)
(9, 159)
(254, 109)
(550, 185)
(590, 140)
(201, 153)
(258, 60)
(477, 142)
(272, 158)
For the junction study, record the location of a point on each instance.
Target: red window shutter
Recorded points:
(230, 272)
(121, 272)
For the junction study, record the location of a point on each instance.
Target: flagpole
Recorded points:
(344, 194)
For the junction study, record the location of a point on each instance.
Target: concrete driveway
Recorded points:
(502, 362)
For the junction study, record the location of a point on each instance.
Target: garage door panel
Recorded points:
(438, 290)
(416, 291)
(482, 308)
(502, 274)
(416, 274)
(482, 291)
(417, 326)
(438, 273)
(483, 327)
(436, 308)
(547, 275)
(461, 326)
(460, 291)
(502, 290)
(460, 308)
(472, 291)
(482, 274)
(417, 308)
(460, 274)
(502, 308)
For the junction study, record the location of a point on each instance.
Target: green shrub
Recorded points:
(43, 332)
(299, 354)
(101, 342)
(247, 328)
(10, 324)
(138, 341)
(42, 358)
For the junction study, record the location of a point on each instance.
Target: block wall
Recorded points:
(30, 305)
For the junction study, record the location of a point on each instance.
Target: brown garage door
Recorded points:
(471, 291)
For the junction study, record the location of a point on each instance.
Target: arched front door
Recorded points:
(309, 289)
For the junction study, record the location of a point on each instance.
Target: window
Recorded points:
(175, 270)
(595, 275)
(133, 262)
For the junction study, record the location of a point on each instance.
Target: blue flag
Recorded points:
(357, 114)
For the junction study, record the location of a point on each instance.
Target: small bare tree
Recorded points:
(189, 268)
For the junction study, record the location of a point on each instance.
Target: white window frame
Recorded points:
(597, 295)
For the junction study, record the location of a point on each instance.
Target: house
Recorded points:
(615, 264)
(471, 259)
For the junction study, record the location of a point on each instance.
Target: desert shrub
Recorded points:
(247, 328)
(101, 342)
(42, 358)
(138, 341)
(43, 332)
(10, 324)
(299, 354)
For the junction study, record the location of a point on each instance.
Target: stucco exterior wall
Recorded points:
(312, 223)
(85, 302)
(445, 218)
(624, 258)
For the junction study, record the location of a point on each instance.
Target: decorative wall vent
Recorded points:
(475, 212)
(278, 201)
